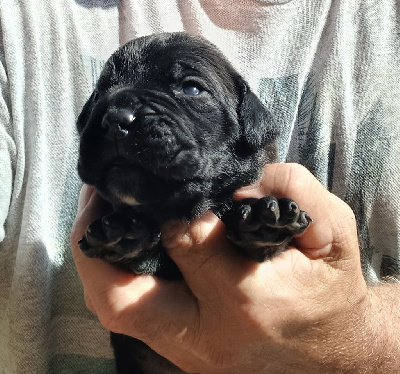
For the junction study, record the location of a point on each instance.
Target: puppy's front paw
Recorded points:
(119, 236)
(263, 227)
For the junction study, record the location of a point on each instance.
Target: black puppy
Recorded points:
(170, 132)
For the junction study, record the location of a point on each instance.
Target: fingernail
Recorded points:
(84, 196)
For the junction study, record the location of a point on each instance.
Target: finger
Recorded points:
(206, 258)
(84, 196)
(282, 180)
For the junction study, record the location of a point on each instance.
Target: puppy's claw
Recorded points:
(272, 206)
(244, 212)
(308, 218)
(82, 243)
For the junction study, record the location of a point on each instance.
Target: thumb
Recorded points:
(204, 255)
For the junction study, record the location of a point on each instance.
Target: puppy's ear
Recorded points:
(257, 123)
(86, 111)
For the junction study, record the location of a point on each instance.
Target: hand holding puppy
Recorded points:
(307, 310)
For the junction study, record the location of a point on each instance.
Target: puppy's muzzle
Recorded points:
(118, 122)
(143, 130)
(122, 117)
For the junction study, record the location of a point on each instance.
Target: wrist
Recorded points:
(366, 339)
(382, 324)
(335, 342)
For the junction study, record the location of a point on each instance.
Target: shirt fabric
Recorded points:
(328, 71)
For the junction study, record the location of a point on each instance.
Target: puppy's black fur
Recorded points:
(170, 132)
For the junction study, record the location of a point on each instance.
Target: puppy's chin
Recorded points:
(129, 185)
(132, 185)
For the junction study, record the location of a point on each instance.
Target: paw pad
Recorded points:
(263, 227)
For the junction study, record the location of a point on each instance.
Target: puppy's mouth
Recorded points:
(155, 142)
(174, 164)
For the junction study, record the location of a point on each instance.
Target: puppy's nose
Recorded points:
(118, 121)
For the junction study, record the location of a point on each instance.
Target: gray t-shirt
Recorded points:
(328, 71)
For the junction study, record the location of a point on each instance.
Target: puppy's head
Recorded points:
(170, 119)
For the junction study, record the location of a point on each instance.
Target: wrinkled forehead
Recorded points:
(165, 58)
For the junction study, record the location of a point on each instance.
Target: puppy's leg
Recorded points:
(263, 227)
(120, 237)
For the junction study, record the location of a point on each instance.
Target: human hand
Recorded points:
(295, 313)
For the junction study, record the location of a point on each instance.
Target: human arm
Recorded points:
(308, 310)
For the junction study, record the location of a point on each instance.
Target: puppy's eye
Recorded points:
(191, 88)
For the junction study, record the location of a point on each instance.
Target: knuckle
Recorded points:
(110, 314)
(285, 179)
(89, 303)
(109, 318)
(299, 176)
(296, 168)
